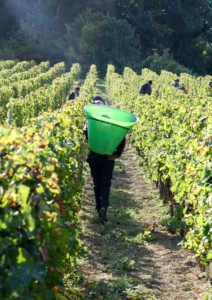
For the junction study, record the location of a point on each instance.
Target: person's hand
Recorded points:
(111, 157)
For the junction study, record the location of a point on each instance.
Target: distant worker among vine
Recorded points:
(176, 84)
(146, 88)
(210, 88)
(74, 94)
(97, 98)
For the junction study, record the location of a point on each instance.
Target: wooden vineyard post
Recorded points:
(208, 270)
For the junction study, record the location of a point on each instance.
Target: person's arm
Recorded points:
(149, 90)
(118, 151)
(120, 148)
(85, 130)
(184, 90)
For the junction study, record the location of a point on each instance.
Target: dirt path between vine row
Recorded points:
(134, 257)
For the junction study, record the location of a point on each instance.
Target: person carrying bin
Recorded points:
(102, 166)
(106, 130)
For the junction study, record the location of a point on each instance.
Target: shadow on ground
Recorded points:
(119, 260)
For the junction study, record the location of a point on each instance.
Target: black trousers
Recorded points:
(102, 172)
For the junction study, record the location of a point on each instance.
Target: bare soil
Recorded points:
(133, 256)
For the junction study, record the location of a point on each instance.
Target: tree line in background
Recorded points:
(158, 34)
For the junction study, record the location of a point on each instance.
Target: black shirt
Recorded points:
(146, 89)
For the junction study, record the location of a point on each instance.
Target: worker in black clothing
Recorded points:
(102, 167)
(74, 94)
(146, 88)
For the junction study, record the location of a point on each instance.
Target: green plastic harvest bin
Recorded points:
(107, 126)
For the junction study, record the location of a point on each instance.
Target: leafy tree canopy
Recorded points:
(92, 31)
(102, 39)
